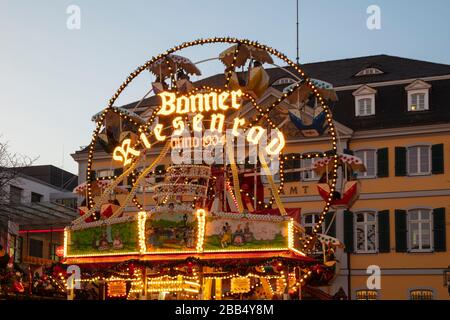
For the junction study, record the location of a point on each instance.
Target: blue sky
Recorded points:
(53, 79)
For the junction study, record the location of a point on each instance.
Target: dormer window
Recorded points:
(368, 72)
(365, 107)
(417, 102)
(418, 96)
(283, 81)
(364, 101)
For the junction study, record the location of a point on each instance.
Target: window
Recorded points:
(365, 232)
(68, 202)
(53, 248)
(265, 180)
(146, 189)
(365, 107)
(309, 222)
(369, 71)
(283, 81)
(369, 159)
(419, 160)
(36, 197)
(418, 95)
(308, 175)
(15, 194)
(364, 101)
(12, 245)
(366, 294)
(421, 294)
(291, 168)
(419, 230)
(18, 253)
(417, 102)
(105, 173)
(36, 248)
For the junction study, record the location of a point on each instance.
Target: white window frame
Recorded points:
(425, 92)
(110, 173)
(316, 215)
(275, 177)
(371, 97)
(293, 170)
(418, 87)
(369, 72)
(418, 173)
(282, 81)
(314, 176)
(420, 221)
(365, 223)
(364, 175)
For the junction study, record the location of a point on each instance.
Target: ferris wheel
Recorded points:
(137, 147)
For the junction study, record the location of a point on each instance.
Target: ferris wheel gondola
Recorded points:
(318, 125)
(350, 188)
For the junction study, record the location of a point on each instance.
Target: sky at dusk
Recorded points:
(53, 79)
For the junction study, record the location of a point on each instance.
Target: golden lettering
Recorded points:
(124, 152)
(178, 124)
(157, 131)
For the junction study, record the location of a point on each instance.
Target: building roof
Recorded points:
(342, 72)
(391, 100)
(52, 175)
(391, 108)
(37, 215)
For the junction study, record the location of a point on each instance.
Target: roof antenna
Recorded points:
(297, 58)
(62, 167)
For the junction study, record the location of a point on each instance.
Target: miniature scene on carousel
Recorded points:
(160, 228)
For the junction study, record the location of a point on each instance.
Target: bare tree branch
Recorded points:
(10, 167)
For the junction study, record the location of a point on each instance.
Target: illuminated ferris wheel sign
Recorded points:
(195, 106)
(209, 125)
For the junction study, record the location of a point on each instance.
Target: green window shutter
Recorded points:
(437, 158)
(93, 175)
(384, 242)
(400, 161)
(439, 229)
(348, 231)
(348, 151)
(401, 244)
(383, 162)
(332, 230)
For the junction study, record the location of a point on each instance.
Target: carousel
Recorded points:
(192, 207)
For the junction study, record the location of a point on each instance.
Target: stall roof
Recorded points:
(37, 215)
